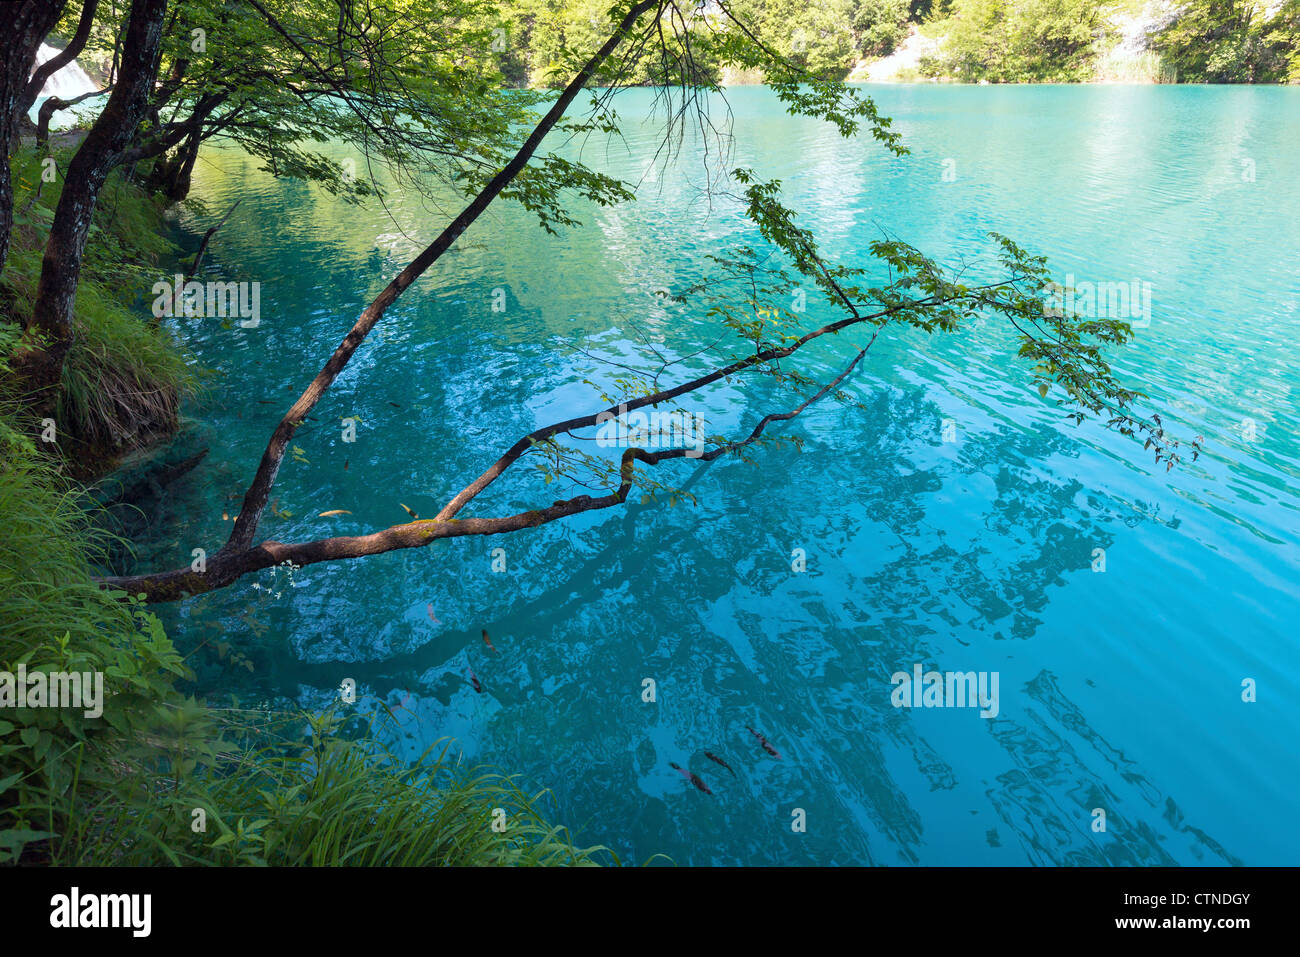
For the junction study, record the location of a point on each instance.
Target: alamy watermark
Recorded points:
(53, 689)
(656, 429)
(208, 299)
(75, 910)
(946, 689)
(1100, 300)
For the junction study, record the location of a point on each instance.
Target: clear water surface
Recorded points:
(1119, 690)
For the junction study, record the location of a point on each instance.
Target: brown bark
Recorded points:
(231, 563)
(52, 105)
(50, 332)
(60, 59)
(30, 21)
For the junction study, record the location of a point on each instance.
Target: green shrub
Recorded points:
(53, 618)
(815, 36)
(1230, 41)
(1019, 42)
(879, 25)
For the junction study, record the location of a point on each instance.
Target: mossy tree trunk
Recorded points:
(172, 175)
(50, 331)
(30, 23)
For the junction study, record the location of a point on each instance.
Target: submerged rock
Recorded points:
(144, 473)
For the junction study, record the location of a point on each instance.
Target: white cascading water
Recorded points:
(69, 82)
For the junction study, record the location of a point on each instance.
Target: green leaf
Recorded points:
(17, 837)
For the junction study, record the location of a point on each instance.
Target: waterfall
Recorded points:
(69, 82)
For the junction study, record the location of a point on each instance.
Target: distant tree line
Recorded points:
(823, 38)
(1230, 41)
(1211, 41)
(1000, 41)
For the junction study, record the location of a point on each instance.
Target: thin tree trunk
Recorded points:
(51, 106)
(50, 332)
(30, 21)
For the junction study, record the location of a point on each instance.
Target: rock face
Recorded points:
(905, 59)
(1131, 59)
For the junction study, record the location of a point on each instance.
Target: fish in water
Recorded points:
(717, 760)
(763, 741)
(488, 641)
(690, 777)
(473, 679)
(408, 511)
(432, 616)
(335, 511)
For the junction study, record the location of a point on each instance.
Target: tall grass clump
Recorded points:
(53, 618)
(125, 376)
(287, 787)
(1144, 67)
(302, 789)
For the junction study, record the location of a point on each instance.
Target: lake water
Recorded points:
(1120, 690)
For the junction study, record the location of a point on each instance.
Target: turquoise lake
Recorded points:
(1120, 690)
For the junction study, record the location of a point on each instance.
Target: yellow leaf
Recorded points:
(1042, 389)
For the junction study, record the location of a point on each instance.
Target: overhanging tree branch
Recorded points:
(229, 565)
(259, 491)
(918, 294)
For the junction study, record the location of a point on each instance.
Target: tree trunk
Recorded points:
(60, 60)
(50, 332)
(171, 175)
(30, 21)
(180, 185)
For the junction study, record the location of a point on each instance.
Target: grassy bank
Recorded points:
(125, 376)
(159, 777)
